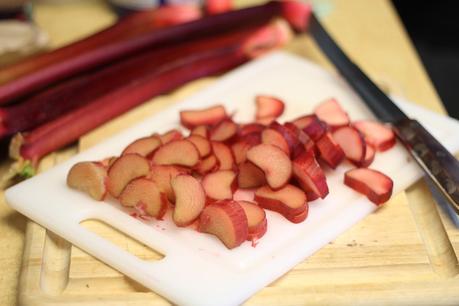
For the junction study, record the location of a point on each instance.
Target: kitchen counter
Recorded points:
(369, 31)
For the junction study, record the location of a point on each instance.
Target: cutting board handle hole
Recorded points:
(122, 240)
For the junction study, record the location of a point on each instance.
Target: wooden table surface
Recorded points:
(369, 31)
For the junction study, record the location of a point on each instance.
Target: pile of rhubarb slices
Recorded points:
(198, 176)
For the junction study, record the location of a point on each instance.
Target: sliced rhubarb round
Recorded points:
(227, 221)
(273, 137)
(125, 169)
(289, 201)
(329, 151)
(201, 143)
(190, 199)
(220, 185)
(381, 137)
(162, 176)
(374, 184)
(88, 177)
(250, 176)
(177, 152)
(223, 154)
(224, 131)
(352, 143)
(208, 116)
(201, 130)
(143, 146)
(268, 106)
(207, 165)
(331, 112)
(170, 135)
(310, 176)
(369, 156)
(274, 162)
(145, 195)
(256, 218)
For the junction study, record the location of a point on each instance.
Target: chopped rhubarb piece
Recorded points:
(145, 195)
(369, 156)
(173, 14)
(300, 217)
(311, 125)
(305, 144)
(201, 130)
(177, 152)
(273, 137)
(223, 154)
(201, 143)
(208, 116)
(256, 219)
(304, 121)
(289, 134)
(292, 127)
(297, 14)
(378, 135)
(190, 199)
(250, 128)
(143, 146)
(250, 176)
(125, 169)
(268, 106)
(374, 184)
(265, 121)
(223, 131)
(107, 162)
(331, 112)
(220, 185)
(274, 162)
(351, 142)
(227, 221)
(310, 176)
(170, 136)
(330, 152)
(88, 177)
(244, 143)
(217, 6)
(162, 176)
(289, 201)
(207, 165)
(239, 150)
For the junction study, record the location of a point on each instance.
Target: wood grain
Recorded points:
(403, 254)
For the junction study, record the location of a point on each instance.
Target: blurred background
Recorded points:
(432, 28)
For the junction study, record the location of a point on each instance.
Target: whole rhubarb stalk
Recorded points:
(30, 147)
(37, 72)
(81, 90)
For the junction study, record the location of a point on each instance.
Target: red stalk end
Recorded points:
(297, 14)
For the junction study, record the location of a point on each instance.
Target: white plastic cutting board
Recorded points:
(197, 269)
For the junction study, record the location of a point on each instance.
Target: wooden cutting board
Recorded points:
(383, 261)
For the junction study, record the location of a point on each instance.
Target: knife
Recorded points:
(441, 166)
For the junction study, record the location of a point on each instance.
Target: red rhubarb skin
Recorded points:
(69, 127)
(362, 187)
(308, 172)
(38, 72)
(236, 214)
(81, 90)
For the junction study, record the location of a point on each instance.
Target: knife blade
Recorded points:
(437, 162)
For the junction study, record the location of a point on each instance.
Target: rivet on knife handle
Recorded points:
(438, 163)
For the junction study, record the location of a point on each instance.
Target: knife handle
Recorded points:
(438, 163)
